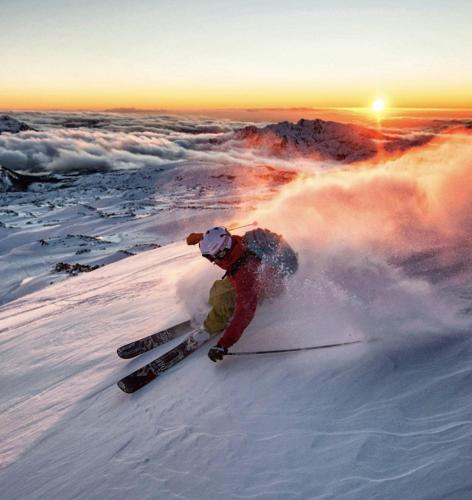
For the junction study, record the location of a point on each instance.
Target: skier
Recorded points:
(256, 267)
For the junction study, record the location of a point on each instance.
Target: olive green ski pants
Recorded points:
(222, 301)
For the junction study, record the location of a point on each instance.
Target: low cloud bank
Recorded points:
(91, 142)
(97, 142)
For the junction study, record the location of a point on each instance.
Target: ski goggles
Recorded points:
(218, 255)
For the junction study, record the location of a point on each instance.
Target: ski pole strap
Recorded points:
(311, 348)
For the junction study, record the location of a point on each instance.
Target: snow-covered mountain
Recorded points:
(325, 140)
(12, 125)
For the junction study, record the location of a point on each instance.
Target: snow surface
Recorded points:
(384, 257)
(101, 218)
(379, 420)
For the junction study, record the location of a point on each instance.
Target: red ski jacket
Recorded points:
(248, 278)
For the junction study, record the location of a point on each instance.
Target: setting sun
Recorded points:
(378, 105)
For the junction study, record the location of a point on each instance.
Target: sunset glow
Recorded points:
(153, 55)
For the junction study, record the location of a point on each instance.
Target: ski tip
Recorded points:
(122, 353)
(124, 387)
(127, 352)
(131, 383)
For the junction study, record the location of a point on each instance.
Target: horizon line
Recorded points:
(126, 109)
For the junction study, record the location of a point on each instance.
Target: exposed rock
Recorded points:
(143, 247)
(224, 176)
(74, 269)
(9, 124)
(276, 175)
(325, 140)
(402, 144)
(6, 183)
(14, 181)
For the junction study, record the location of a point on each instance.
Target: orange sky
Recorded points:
(207, 55)
(99, 97)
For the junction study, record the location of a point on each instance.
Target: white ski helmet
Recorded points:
(215, 243)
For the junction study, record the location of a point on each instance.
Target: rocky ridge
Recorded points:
(9, 124)
(325, 140)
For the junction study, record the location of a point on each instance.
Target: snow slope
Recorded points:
(104, 217)
(386, 419)
(384, 257)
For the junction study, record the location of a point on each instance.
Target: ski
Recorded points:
(148, 343)
(141, 377)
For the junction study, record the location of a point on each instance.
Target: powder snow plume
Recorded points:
(384, 248)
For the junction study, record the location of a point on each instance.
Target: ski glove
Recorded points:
(194, 238)
(217, 352)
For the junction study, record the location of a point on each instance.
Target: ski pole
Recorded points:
(240, 227)
(276, 351)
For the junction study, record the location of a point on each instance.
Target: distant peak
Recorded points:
(12, 125)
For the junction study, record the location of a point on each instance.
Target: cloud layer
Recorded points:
(97, 142)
